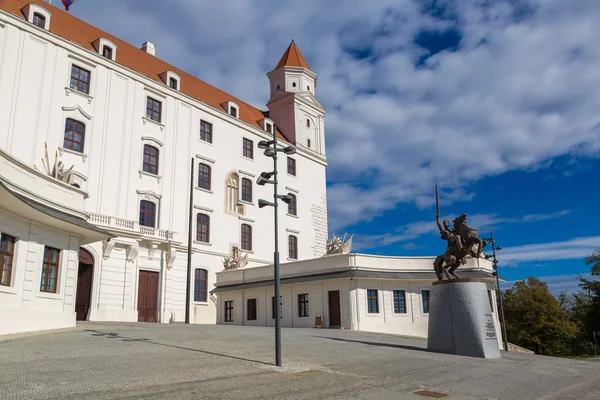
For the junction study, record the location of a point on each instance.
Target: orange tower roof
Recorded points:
(292, 58)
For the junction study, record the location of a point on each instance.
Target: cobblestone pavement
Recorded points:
(173, 361)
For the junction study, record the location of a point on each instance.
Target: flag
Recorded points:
(67, 3)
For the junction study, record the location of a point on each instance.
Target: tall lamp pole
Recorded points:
(495, 273)
(264, 178)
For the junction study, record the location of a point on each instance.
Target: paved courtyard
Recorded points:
(162, 361)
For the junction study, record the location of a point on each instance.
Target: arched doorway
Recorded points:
(84, 284)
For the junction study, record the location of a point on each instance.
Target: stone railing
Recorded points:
(107, 221)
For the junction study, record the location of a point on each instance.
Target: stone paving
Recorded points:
(175, 361)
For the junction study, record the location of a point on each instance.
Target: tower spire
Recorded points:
(292, 57)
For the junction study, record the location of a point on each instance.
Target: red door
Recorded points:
(84, 285)
(335, 318)
(148, 296)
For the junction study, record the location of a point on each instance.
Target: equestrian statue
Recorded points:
(462, 241)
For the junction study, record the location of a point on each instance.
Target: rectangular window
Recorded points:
(229, 311)
(303, 305)
(203, 228)
(147, 213)
(39, 20)
(247, 190)
(173, 83)
(49, 270)
(372, 301)
(425, 296)
(233, 111)
(308, 143)
(201, 285)
(251, 310)
(107, 52)
(206, 131)
(292, 247)
(246, 237)
(80, 79)
(248, 148)
(292, 205)
(269, 128)
(204, 173)
(153, 109)
(7, 253)
(150, 163)
(291, 166)
(399, 302)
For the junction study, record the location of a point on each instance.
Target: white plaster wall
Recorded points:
(34, 103)
(22, 306)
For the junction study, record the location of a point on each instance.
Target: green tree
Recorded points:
(535, 318)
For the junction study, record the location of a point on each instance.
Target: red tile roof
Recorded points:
(77, 31)
(292, 58)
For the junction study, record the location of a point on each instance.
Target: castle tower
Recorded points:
(293, 105)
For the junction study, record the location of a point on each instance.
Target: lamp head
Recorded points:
(494, 273)
(261, 181)
(263, 203)
(498, 248)
(290, 150)
(287, 199)
(269, 152)
(266, 175)
(263, 144)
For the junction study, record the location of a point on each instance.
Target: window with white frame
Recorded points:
(372, 301)
(7, 254)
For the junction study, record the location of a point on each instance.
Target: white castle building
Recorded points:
(107, 239)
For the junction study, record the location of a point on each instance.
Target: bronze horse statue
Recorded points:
(469, 236)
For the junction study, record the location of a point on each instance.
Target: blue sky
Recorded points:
(496, 101)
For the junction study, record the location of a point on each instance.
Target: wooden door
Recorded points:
(335, 317)
(148, 296)
(84, 285)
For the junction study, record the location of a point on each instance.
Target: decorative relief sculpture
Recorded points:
(57, 171)
(236, 260)
(462, 240)
(337, 245)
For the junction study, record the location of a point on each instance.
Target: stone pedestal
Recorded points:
(460, 319)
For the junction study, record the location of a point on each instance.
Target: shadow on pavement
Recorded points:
(114, 335)
(397, 346)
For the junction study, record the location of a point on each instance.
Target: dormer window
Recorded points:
(172, 79)
(268, 125)
(37, 15)
(232, 108)
(106, 48)
(39, 20)
(107, 52)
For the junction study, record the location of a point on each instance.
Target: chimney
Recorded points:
(149, 48)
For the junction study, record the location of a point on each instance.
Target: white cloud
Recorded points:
(484, 223)
(570, 249)
(520, 90)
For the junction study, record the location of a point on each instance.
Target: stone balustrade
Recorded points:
(120, 224)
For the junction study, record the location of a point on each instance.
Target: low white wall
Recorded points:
(23, 307)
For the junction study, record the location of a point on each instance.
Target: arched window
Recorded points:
(204, 176)
(233, 194)
(292, 206)
(246, 237)
(292, 247)
(247, 190)
(203, 228)
(200, 285)
(74, 135)
(147, 213)
(150, 159)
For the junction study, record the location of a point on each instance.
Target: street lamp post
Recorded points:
(495, 273)
(263, 179)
